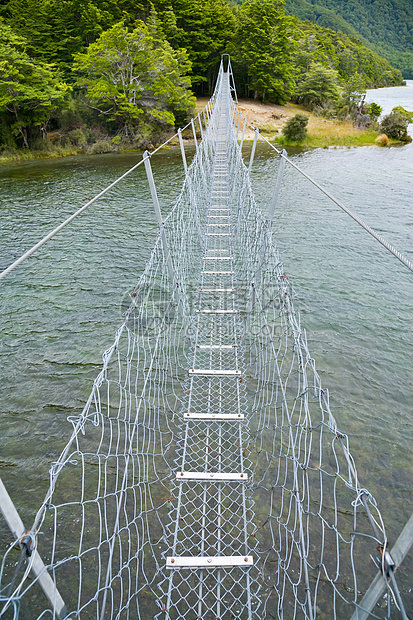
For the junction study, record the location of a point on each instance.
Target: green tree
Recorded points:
(204, 28)
(263, 48)
(320, 85)
(352, 98)
(135, 76)
(295, 129)
(57, 29)
(394, 125)
(354, 90)
(374, 110)
(29, 90)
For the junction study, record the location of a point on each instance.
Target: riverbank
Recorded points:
(269, 118)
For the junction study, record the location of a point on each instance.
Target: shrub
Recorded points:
(394, 125)
(382, 140)
(327, 109)
(77, 137)
(405, 113)
(101, 146)
(295, 128)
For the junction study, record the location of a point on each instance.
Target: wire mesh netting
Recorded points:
(206, 477)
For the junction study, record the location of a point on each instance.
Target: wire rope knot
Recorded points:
(360, 494)
(28, 543)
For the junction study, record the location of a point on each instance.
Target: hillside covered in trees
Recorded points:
(385, 26)
(107, 74)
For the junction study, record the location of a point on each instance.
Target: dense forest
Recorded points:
(108, 74)
(385, 26)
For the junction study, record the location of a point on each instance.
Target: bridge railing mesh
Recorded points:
(114, 507)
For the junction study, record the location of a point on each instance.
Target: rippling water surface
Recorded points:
(60, 310)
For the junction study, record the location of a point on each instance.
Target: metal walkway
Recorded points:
(211, 531)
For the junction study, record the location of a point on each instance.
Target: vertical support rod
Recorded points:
(194, 132)
(181, 144)
(205, 119)
(234, 122)
(200, 126)
(18, 530)
(239, 123)
(233, 114)
(277, 187)
(254, 146)
(158, 214)
(243, 133)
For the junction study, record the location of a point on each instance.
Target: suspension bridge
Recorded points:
(206, 477)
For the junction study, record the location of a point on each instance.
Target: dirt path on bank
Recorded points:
(266, 116)
(269, 116)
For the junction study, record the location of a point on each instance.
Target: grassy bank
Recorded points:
(82, 141)
(325, 134)
(20, 156)
(322, 133)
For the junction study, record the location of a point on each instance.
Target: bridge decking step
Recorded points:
(206, 475)
(217, 311)
(219, 234)
(216, 346)
(217, 290)
(220, 225)
(217, 561)
(209, 372)
(218, 273)
(214, 416)
(217, 258)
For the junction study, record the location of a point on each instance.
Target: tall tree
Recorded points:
(57, 29)
(321, 84)
(263, 48)
(204, 28)
(135, 76)
(29, 89)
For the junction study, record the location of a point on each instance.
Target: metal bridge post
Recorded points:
(200, 126)
(158, 214)
(254, 146)
(243, 133)
(378, 586)
(191, 192)
(194, 132)
(233, 114)
(274, 201)
(239, 123)
(181, 144)
(38, 568)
